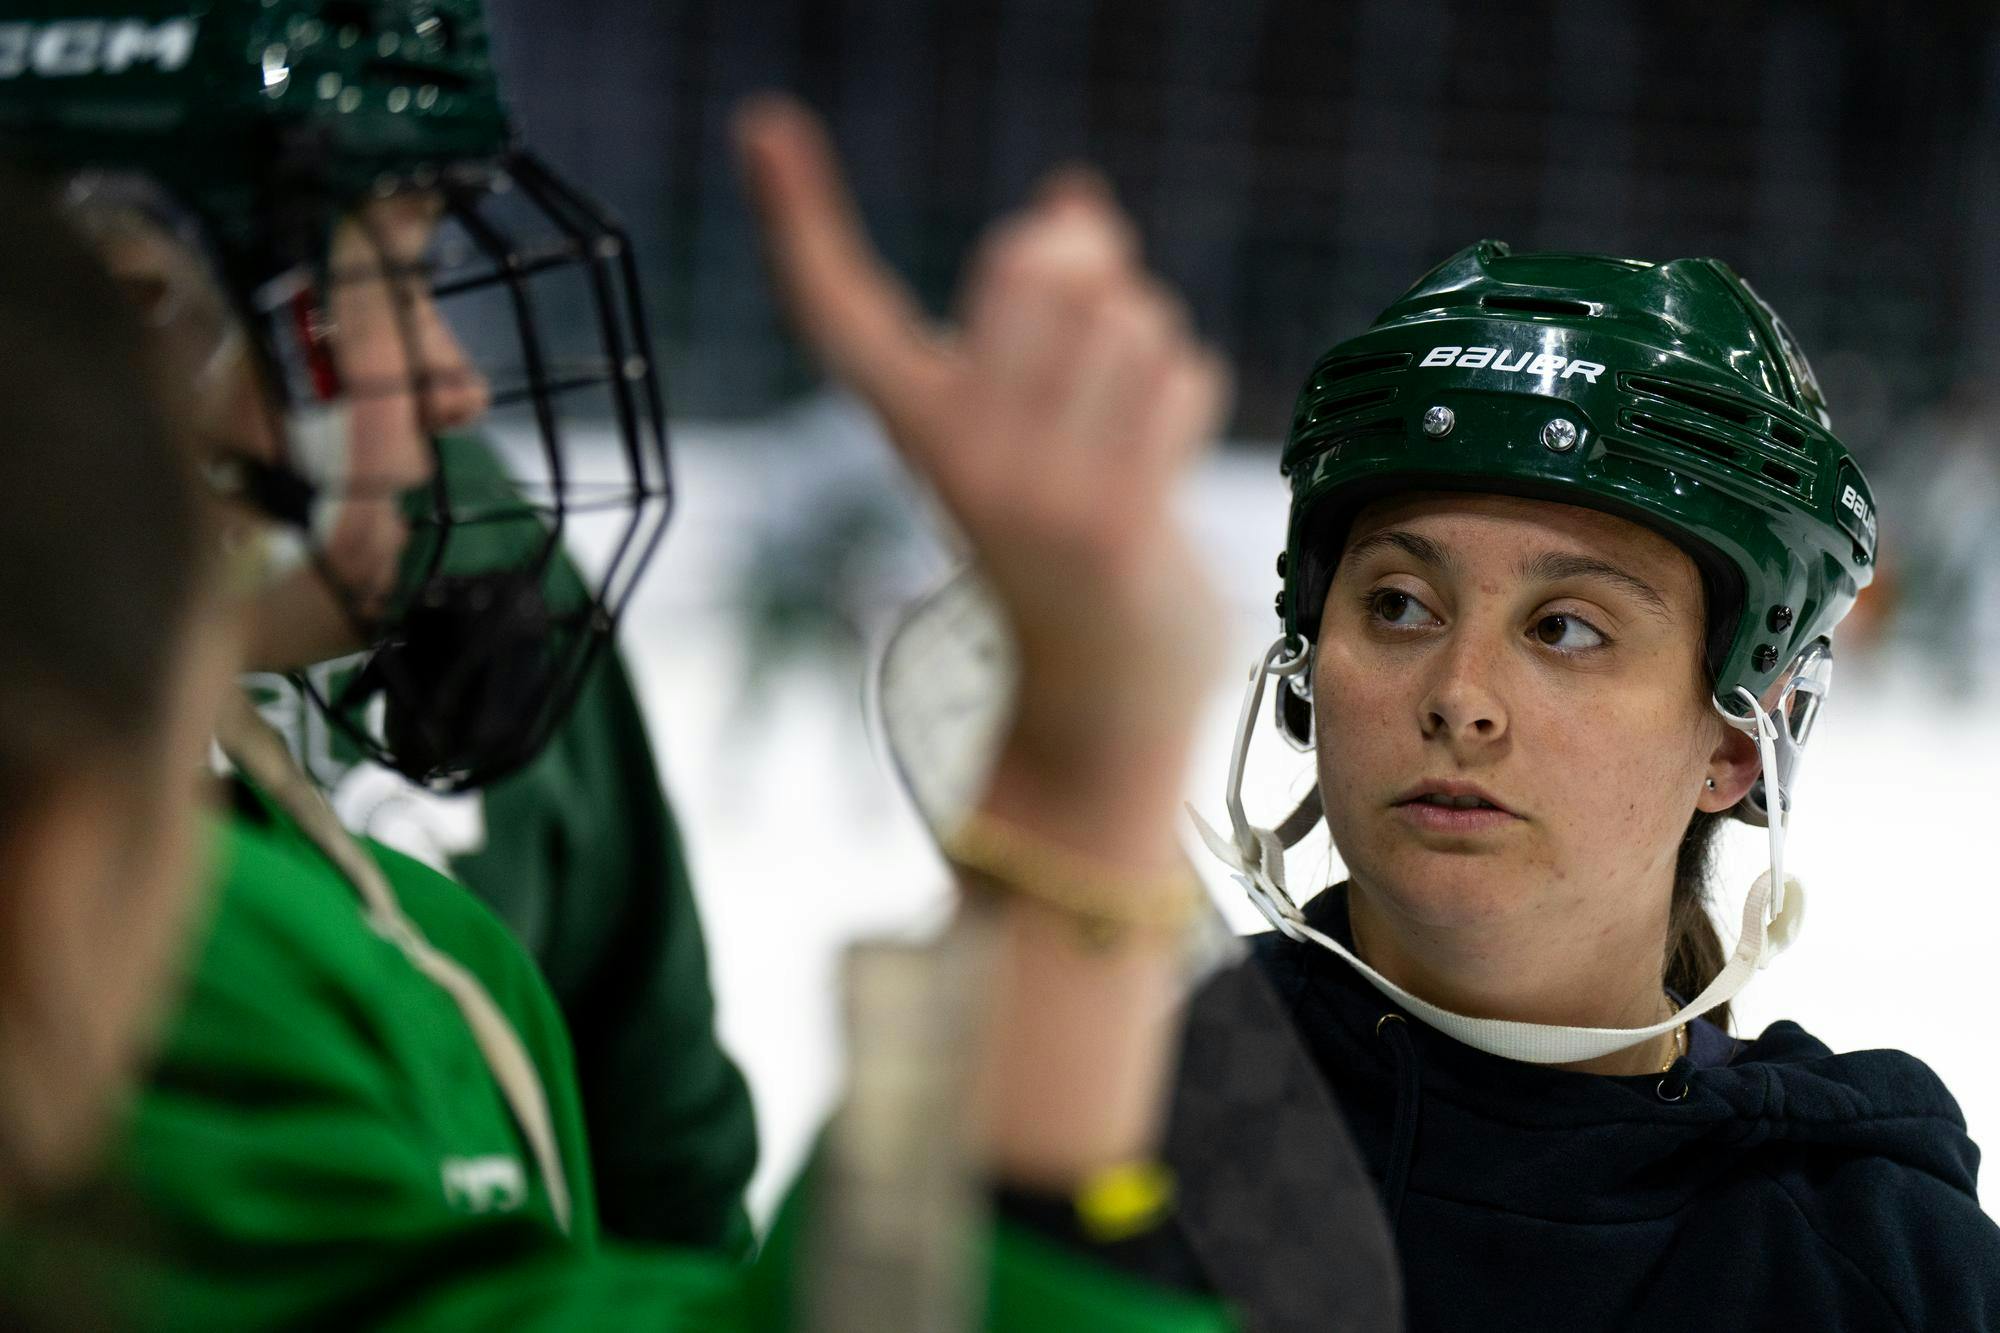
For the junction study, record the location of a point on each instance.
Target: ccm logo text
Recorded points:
(1498, 358)
(71, 47)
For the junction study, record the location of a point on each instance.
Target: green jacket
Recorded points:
(580, 855)
(321, 1145)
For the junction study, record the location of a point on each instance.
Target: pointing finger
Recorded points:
(844, 301)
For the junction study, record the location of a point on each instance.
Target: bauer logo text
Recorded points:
(1527, 362)
(1862, 510)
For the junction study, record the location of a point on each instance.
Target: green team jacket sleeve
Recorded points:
(583, 860)
(321, 1146)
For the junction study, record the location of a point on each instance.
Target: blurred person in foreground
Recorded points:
(366, 1113)
(459, 695)
(1570, 537)
(116, 659)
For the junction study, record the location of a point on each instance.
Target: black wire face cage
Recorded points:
(468, 376)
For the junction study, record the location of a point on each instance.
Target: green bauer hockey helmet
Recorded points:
(249, 130)
(1665, 393)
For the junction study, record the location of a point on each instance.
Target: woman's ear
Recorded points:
(1732, 769)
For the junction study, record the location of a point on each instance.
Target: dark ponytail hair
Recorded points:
(1694, 947)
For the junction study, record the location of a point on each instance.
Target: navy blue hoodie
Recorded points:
(1790, 1188)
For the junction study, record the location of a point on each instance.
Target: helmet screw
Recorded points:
(1781, 619)
(1764, 658)
(1279, 605)
(1438, 421)
(1283, 562)
(1560, 435)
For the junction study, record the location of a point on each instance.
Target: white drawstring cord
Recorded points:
(261, 754)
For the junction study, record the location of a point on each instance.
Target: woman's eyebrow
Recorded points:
(1417, 547)
(1550, 566)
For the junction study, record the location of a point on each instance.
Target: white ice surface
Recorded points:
(801, 842)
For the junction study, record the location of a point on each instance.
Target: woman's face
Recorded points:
(1540, 662)
(403, 378)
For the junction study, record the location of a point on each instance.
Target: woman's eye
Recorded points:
(1396, 608)
(1567, 633)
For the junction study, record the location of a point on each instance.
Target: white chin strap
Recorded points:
(1770, 919)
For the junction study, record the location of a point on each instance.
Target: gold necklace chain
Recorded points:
(1680, 1042)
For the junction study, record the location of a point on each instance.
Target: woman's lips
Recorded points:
(1453, 819)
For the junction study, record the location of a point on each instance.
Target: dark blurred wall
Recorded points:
(1294, 164)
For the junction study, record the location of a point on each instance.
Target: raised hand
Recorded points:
(1053, 422)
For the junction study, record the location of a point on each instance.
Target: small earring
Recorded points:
(1711, 784)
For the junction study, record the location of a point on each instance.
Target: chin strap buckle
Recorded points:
(1261, 874)
(1787, 917)
(1257, 854)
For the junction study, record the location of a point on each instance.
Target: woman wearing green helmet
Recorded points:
(1569, 539)
(367, 1111)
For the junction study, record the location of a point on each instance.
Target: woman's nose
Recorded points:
(1463, 703)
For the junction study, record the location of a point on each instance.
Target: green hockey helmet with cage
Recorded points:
(252, 128)
(253, 114)
(1665, 393)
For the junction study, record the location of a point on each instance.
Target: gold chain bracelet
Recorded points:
(1106, 903)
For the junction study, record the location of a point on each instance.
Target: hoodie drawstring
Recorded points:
(1395, 1030)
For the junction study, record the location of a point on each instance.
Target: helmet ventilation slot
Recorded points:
(1346, 405)
(1686, 435)
(1333, 372)
(1329, 442)
(1387, 428)
(1784, 476)
(1542, 305)
(1683, 435)
(1706, 401)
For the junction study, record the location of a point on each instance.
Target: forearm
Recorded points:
(1053, 423)
(1082, 1034)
